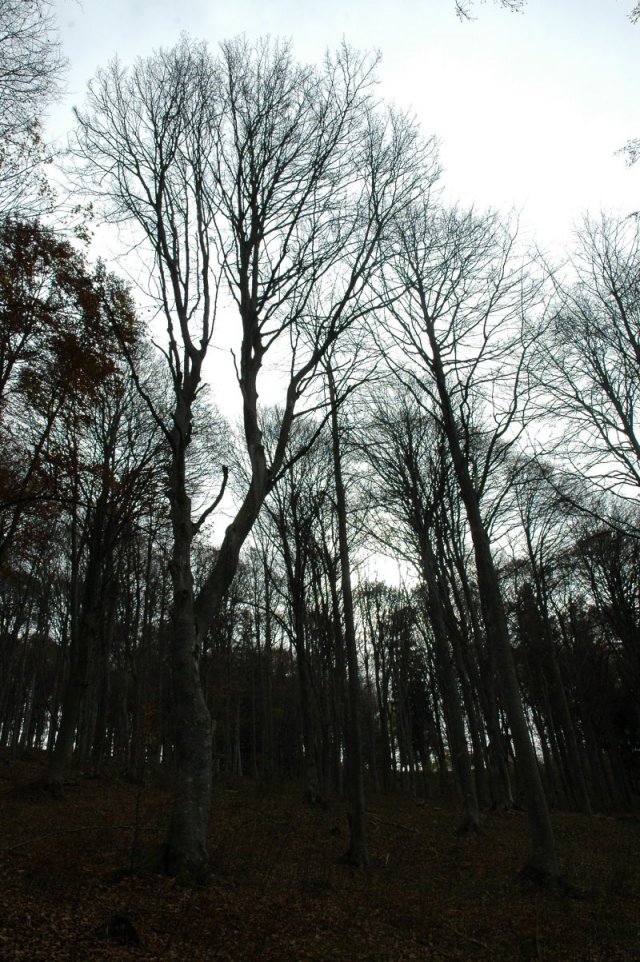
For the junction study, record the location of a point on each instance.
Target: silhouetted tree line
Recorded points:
(273, 667)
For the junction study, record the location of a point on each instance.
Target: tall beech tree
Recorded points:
(458, 331)
(247, 175)
(358, 851)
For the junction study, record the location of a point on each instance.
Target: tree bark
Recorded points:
(186, 841)
(358, 851)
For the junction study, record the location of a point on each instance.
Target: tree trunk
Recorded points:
(450, 695)
(358, 852)
(186, 842)
(543, 862)
(82, 643)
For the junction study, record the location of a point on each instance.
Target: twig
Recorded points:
(466, 938)
(65, 831)
(72, 831)
(384, 821)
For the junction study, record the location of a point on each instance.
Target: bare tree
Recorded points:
(31, 67)
(358, 852)
(110, 459)
(30, 62)
(588, 360)
(464, 7)
(405, 452)
(277, 181)
(457, 323)
(544, 527)
(293, 510)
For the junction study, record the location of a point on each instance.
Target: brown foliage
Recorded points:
(56, 315)
(58, 352)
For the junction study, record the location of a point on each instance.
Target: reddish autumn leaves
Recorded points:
(62, 325)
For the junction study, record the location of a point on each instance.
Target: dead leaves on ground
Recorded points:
(74, 887)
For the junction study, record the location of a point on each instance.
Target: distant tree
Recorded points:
(71, 461)
(111, 470)
(607, 564)
(399, 670)
(371, 600)
(545, 534)
(292, 512)
(590, 581)
(358, 850)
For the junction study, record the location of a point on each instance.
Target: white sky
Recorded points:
(529, 108)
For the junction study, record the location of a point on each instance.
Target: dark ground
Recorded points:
(279, 892)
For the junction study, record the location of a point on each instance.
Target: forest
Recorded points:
(394, 606)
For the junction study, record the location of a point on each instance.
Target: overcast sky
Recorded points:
(529, 108)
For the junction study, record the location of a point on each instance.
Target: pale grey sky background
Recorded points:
(529, 108)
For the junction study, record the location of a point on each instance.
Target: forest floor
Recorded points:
(72, 887)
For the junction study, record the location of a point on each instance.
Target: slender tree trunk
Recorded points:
(373, 761)
(562, 717)
(268, 732)
(476, 730)
(358, 852)
(450, 695)
(312, 789)
(439, 741)
(543, 861)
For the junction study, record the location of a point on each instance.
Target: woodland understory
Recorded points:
(76, 882)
